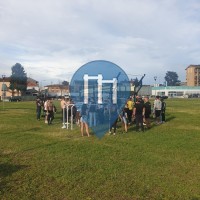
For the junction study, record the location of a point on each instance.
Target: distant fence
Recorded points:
(18, 98)
(29, 98)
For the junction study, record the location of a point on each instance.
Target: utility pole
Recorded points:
(3, 90)
(155, 78)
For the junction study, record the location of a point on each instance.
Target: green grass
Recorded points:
(38, 161)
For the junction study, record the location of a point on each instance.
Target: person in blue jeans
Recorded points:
(38, 108)
(84, 120)
(92, 113)
(114, 114)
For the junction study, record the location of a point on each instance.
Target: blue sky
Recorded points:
(52, 39)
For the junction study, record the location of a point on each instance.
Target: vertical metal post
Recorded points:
(3, 90)
(72, 116)
(67, 117)
(155, 78)
(64, 126)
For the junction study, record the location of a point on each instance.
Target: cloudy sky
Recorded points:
(53, 38)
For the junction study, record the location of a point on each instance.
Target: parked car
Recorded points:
(164, 97)
(15, 98)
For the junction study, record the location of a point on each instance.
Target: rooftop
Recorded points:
(193, 66)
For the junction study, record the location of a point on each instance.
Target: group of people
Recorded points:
(47, 107)
(71, 114)
(143, 110)
(139, 113)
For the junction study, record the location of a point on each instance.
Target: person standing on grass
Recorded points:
(38, 108)
(129, 109)
(163, 108)
(74, 112)
(157, 109)
(84, 120)
(45, 111)
(100, 114)
(64, 111)
(50, 111)
(92, 113)
(147, 112)
(68, 109)
(114, 114)
(124, 118)
(138, 113)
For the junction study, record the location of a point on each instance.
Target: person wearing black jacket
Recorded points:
(138, 113)
(163, 108)
(147, 112)
(38, 108)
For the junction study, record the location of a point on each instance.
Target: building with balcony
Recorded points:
(193, 75)
(5, 92)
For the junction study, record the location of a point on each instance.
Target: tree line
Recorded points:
(18, 79)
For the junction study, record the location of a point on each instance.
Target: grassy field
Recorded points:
(38, 161)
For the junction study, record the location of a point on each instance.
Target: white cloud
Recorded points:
(51, 39)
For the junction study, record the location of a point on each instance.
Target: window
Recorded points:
(175, 93)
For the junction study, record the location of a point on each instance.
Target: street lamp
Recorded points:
(155, 78)
(3, 90)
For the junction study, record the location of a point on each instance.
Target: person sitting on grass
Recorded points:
(84, 120)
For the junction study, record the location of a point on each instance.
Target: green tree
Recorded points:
(18, 79)
(66, 83)
(172, 78)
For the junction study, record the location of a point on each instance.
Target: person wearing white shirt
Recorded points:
(157, 109)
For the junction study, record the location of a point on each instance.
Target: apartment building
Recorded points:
(193, 75)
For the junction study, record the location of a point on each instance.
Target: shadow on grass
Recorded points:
(25, 130)
(8, 169)
(170, 118)
(153, 121)
(6, 110)
(17, 108)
